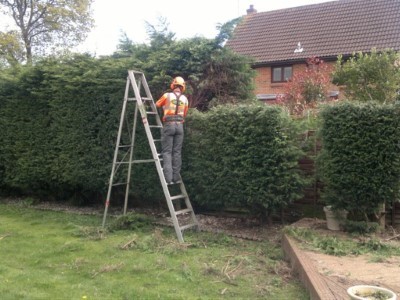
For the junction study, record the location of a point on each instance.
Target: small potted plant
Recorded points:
(334, 218)
(370, 292)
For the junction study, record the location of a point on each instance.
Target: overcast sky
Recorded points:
(185, 18)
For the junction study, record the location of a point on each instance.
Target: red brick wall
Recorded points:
(263, 84)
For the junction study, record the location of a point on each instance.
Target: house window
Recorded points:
(281, 74)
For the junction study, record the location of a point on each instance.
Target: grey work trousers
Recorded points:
(171, 141)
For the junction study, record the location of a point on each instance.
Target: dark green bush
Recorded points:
(361, 227)
(360, 159)
(242, 156)
(57, 126)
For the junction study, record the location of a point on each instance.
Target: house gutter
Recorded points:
(294, 61)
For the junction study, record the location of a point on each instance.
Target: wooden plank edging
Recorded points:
(307, 272)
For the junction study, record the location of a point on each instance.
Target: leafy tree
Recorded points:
(227, 78)
(226, 31)
(11, 48)
(44, 23)
(370, 77)
(307, 88)
(159, 34)
(213, 74)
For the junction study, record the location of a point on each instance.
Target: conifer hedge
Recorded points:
(58, 122)
(242, 156)
(360, 158)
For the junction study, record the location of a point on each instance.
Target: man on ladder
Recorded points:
(175, 106)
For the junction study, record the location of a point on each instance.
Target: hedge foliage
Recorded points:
(242, 156)
(360, 158)
(59, 121)
(57, 125)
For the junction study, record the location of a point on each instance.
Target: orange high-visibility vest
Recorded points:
(172, 112)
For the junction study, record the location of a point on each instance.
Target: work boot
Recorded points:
(176, 178)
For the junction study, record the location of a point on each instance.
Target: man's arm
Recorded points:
(161, 101)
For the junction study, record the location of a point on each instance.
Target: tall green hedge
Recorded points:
(58, 126)
(360, 158)
(242, 156)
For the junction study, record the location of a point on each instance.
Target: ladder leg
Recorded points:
(121, 124)
(128, 179)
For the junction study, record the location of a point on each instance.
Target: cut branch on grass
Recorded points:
(393, 237)
(236, 268)
(128, 244)
(108, 268)
(231, 273)
(230, 282)
(4, 236)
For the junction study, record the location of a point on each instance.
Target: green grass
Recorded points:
(58, 255)
(342, 246)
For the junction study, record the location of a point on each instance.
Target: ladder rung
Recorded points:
(120, 183)
(143, 99)
(183, 211)
(157, 140)
(140, 161)
(187, 226)
(155, 126)
(151, 112)
(124, 146)
(178, 197)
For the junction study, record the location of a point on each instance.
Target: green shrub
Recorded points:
(373, 76)
(361, 227)
(242, 156)
(360, 159)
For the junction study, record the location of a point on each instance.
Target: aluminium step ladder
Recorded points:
(182, 218)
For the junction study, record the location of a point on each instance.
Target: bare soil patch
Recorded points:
(347, 269)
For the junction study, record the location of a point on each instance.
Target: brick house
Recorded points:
(280, 41)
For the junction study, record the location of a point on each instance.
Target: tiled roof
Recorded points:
(324, 30)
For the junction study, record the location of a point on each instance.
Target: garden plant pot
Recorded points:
(334, 218)
(370, 292)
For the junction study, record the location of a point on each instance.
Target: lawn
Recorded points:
(60, 255)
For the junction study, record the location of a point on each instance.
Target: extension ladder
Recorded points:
(182, 218)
